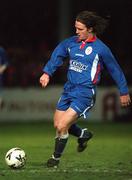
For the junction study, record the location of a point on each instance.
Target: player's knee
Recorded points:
(61, 128)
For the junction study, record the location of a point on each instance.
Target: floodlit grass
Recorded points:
(108, 156)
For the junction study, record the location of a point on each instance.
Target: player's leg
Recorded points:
(75, 130)
(83, 140)
(62, 122)
(82, 107)
(83, 136)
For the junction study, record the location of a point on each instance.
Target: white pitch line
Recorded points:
(68, 170)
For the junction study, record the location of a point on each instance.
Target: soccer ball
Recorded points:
(15, 158)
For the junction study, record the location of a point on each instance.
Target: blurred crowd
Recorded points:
(25, 68)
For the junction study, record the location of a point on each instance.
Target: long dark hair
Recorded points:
(91, 19)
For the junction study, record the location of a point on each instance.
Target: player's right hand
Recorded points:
(44, 80)
(125, 100)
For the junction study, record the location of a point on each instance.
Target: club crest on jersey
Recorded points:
(88, 50)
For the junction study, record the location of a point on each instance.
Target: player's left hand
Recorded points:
(125, 100)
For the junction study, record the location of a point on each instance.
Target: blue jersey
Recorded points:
(3, 61)
(3, 57)
(86, 63)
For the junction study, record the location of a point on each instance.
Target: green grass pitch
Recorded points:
(108, 156)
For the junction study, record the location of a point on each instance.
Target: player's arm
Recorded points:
(55, 61)
(4, 60)
(118, 76)
(57, 58)
(2, 68)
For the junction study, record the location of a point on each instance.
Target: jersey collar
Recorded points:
(88, 40)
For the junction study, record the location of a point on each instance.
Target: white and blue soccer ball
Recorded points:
(15, 158)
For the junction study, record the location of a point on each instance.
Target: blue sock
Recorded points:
(75, 130)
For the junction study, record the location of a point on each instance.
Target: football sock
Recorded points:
(75, 130)
(83, 134)
(60, 143)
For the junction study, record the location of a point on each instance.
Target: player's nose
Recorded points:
(77, 32)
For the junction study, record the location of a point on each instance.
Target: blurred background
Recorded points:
(30, 30)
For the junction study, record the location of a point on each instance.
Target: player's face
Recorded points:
(82, 31)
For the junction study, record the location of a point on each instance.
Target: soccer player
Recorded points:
(3, 66)
(87, 56)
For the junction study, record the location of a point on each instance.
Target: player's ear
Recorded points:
(90, 29)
